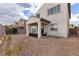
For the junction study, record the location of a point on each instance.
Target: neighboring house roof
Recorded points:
(23, 20)
(2, 25)
(20, 23)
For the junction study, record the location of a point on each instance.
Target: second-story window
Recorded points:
(54, 10)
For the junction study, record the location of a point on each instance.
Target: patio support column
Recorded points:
(39, 29)
(27, 29)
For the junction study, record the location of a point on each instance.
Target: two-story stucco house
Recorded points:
(52, 19)
(20, 26)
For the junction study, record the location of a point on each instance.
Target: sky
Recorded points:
(11, 12)
(74, 14)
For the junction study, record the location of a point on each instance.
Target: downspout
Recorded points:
(69, 16)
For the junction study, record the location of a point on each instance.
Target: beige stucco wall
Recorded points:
(21, 30)
(60, 18)
(32, 20)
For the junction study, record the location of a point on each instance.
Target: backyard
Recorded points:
(46, 46)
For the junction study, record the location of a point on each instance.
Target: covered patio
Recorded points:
(37, 27)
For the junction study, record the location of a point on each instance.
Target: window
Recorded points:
(54, 26)
(54, 10)
(58, 8)
(38, 15)
(34, 29)
(49, 11)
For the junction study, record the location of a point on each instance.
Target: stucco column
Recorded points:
(27, 29)
(39, 29)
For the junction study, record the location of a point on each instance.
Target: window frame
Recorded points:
(51, 11)
(53, 26)
(32, 28)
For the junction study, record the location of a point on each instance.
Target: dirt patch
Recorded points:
(47, 46)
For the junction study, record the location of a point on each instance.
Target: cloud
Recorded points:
(74, 14)
(11, 12)
(72, 3)
(25, 5)
(74, 19)
(8, 20)
(23, 16)
(27, 12)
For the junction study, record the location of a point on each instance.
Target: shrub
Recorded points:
(11, 30)
(6, 43)
(14, 50)
(18, 47)
(8, 38)
(9, 51)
